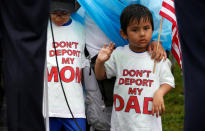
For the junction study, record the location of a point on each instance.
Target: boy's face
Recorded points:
(138, 34)
(60, 17)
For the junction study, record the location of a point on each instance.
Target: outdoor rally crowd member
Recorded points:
(102, 23)
(69, 41)
(136, 85)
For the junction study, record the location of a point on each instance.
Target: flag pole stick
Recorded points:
(158, 41)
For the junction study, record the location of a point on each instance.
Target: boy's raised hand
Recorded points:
(105, 52)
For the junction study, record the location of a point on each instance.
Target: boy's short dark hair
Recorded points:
(135, 12)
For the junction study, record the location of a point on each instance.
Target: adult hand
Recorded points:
(157, 54)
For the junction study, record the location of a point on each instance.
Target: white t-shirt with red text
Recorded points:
(134, 89)
(70, 43)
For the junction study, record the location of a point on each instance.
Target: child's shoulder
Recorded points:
(122, 48)
(77, 23)
(78, 26)
(167, 62)
(118, 51)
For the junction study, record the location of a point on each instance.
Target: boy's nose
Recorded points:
(142, 32)
(58, 19)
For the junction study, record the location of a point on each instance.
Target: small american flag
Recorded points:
(168, 11)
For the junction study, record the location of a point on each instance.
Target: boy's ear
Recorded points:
(123, 34)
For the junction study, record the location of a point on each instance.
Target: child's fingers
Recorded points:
(152, 110)
(110, 45)
(163, 107)
(160, 110)
(113, 45)
(104, 46)
(157, 111)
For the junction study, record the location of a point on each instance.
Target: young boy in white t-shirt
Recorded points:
(138, 92)
(69, 42)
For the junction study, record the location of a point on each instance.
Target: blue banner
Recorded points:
(106, 14)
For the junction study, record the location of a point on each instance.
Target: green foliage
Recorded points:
(173, 119)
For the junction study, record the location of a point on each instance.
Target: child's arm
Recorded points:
(103, 56)
(158, 100)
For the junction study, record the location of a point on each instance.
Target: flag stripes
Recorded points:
(176, 48)
(168, 11)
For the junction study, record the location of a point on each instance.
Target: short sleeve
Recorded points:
(85, 61)
(110, 66)
(165, 74)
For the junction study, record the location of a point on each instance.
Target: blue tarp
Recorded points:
(106, 14)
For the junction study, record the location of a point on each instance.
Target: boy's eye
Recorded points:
(135, 29)
(146, 27)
